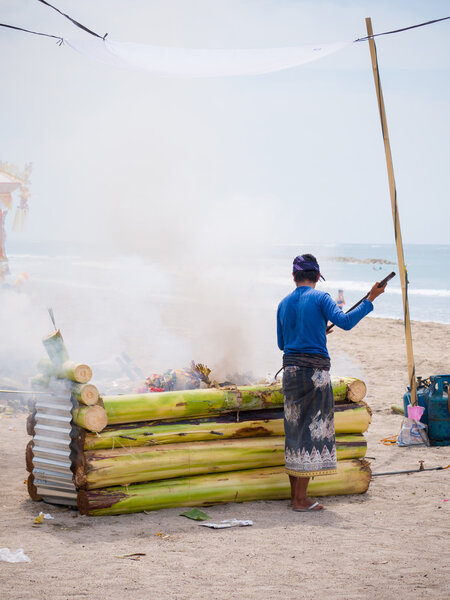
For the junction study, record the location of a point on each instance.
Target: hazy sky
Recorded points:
(160, 165)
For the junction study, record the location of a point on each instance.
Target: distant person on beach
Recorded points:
(310, 446)
(3, 272)
(21, 280)
(340, 299)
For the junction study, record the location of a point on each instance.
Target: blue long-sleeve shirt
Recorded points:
(302, 320)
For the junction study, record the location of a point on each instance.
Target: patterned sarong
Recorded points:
(310, 445)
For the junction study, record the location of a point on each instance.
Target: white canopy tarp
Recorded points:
(8, 183)
(192, 62)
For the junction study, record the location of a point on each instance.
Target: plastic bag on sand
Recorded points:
(227, 523)
(413, 433)
(13, 556)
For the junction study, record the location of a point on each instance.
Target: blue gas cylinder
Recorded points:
(423, 393)
(439, 411)
(434, 395)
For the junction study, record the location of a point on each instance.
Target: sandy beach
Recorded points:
(391, 542)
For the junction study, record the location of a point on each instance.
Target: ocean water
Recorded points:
(164, 316)
(76, 267)
(428, 268)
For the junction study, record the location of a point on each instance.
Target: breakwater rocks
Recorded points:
(362, 261)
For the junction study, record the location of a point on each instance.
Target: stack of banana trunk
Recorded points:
(157, 450)
(197, 447)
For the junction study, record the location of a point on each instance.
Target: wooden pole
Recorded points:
(397, 231)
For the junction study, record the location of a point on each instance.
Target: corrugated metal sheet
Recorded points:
(52, 471)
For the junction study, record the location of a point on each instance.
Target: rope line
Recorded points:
(80, 25)
(369, 37)
(103, 37)
(56, 37)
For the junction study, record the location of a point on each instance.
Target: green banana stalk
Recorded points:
(124, 466)
(186, 404)
(349, 418)
(270, 483)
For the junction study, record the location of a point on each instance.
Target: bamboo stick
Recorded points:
(395, 214)
(271, 483)
(124, 466)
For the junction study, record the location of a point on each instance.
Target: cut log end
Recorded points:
(32, 490)
(31, 422)
(80, 477)
(78, 439)
(92, 418)
(356, 390)
(29, 456)
(98, 499)
(96, 419)
(364, 465)
(82, 373)
(53, 335)
(369, 410)
(55, 347)
(82, 502)
(78, 372)
(352, 477)
(87, 394)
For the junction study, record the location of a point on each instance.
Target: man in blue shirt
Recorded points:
(310, 446)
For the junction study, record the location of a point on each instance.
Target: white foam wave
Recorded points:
(97, 265)
(117, 290)
(76, 284)
(427, 292)
(31, 256)
(364, 286)
(360, 286)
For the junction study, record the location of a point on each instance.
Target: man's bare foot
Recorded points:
(307, 505)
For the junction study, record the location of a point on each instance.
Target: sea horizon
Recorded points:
(353, 267)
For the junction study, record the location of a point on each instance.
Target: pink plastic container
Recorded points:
(415, 412)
